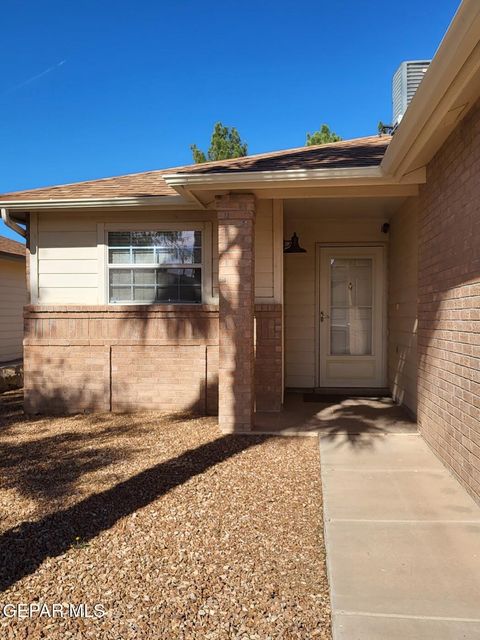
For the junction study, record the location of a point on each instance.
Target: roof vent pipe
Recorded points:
(11, 224)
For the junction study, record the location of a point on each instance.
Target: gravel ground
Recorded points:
(177, 531)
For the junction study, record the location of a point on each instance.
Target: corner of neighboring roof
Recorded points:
(11, 248)
(436, 107)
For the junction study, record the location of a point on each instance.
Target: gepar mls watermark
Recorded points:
(26, 610)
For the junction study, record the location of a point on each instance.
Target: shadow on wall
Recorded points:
(403, 357)
(449, 320)
(403, 304)
(80, 383)
(161, 364)
(59, 385)
(180, 331)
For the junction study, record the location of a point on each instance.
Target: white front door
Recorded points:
(350, 317)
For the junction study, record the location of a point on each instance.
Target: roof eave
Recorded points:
(171, 202)
(352, 176)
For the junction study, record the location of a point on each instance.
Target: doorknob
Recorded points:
(323, 316)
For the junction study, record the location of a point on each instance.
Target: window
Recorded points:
(155, 266)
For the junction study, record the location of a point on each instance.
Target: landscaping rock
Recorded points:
(178, 531)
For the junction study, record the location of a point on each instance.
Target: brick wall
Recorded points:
(167, 377)
(65, 380)
(449, 303)
(128, 358)
(268, 357)
(123, 358)
(236, 282)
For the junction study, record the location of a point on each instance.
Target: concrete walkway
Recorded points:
(403, 541)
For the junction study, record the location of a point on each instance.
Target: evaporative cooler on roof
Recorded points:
(405, 82)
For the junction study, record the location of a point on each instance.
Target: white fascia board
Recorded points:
(85, 203)
(256, 179)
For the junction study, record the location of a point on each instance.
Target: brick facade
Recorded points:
(268, 357)
(128, 358)
(449, 303)
(66, 380)
(236, 279)
(122, 358)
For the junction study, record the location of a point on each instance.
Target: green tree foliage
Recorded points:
(385, 128)
(322, 136)
(198, 155)
(225, 143)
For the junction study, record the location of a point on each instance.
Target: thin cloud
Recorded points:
(28, 81)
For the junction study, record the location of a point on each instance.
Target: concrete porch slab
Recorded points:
(403, 541)
(372, 416)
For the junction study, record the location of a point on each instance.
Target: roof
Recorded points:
(11, 247)
(359, 152)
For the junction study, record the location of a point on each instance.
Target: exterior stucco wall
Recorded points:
(13, 296)
(449, 303)
(402, 305)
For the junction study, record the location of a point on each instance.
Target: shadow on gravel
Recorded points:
(25, 547)
(49, 467)
(11, 405)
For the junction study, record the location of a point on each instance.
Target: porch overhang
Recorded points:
(295, 183)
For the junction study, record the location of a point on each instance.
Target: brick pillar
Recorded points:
(236, 251)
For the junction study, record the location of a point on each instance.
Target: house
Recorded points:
(13, 296)
(170, 289)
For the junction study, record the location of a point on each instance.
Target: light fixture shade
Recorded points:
(293, 246)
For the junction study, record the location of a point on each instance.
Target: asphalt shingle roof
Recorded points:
(359, 152)
(11, 246)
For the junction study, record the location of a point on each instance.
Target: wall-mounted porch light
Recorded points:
(292, 246)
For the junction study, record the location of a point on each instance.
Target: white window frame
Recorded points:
(205, 265)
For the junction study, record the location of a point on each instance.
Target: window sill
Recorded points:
(160, 308)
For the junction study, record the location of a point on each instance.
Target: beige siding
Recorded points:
(301, 352)
(13, 296)
(402, 305)
(67, 260)
(69, 263)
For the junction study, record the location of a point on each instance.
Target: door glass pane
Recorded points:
(351, 301)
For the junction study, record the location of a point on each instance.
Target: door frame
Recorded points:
(351, 245)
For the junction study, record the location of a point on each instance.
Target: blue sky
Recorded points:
(105, 87)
